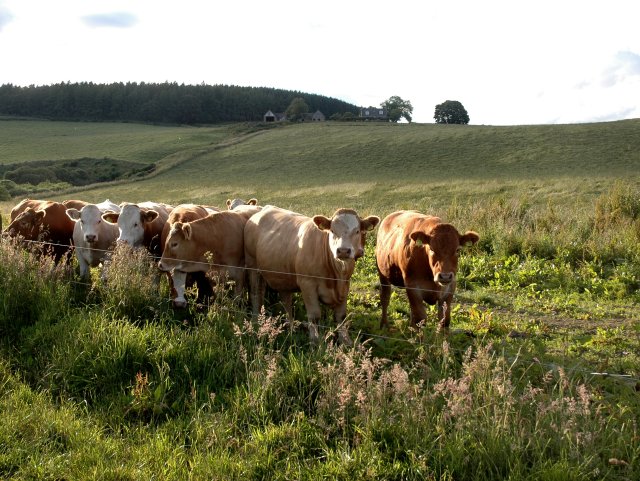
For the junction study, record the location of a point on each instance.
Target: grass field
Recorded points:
(107, 381)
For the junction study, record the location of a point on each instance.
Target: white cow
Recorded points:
(92, 236)
(108, 206)
(141, 224)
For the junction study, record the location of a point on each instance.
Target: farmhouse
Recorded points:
(374, 113)
(317, 116)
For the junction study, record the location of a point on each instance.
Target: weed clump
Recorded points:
(32, 288)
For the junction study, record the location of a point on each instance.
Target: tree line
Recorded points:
(169, 103)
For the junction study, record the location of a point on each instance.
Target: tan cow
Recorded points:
(44, 222)
(316, 256)
(185, 213)
(420, 253)
(141, 224)
(213, 245)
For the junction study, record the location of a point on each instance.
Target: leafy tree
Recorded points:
(398, 108)
(296, 109)
(451, 112)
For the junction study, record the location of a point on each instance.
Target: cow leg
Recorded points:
(84, 265)
(204, 285)
(339, 315)
(444, 309)
(179, 281)
(287, 301)
(314, 313)
(416, 303)
(237, 274)
(385, 296)
(256, 291)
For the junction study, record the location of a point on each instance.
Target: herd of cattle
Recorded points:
(264, 245)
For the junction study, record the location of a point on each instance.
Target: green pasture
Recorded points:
(370, 166)
(538, 379)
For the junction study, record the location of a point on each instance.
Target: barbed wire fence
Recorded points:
(627, 379)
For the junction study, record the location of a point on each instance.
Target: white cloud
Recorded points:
(115, 19)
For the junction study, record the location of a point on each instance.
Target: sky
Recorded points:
(509, 62)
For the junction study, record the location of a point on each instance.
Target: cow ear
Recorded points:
(420, 237)
(149, 216)
(228, 203)
(73, 214)
(186, 231)
(469, 238)
(369, 223)
(322, 222)
(252, 201)
(111, 217)
(39, 215)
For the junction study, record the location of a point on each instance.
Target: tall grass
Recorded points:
(226, 398)
(32, 288)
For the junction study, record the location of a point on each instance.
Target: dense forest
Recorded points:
(169, 103)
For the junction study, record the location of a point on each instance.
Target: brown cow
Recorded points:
(420, 253)
(186, 213)
(213, 244)
(316, 256)
(141, 224)
(22, 205)
(43, 221)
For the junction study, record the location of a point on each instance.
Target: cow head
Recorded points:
(174, 247)
(347, 232)
(28, 224)
(90, 220)
(443, 244)
(131, 221)
(232, 204)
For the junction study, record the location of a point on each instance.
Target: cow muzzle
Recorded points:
(90, 238)
(444, 278)
(343, 253)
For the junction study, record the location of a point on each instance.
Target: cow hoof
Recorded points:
(344, 338)
(313, 334)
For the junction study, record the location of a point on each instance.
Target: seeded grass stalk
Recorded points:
(131, 284)
(33, 289)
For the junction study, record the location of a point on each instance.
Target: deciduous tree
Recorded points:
(296, 109)
(451, 112)
(398, 108)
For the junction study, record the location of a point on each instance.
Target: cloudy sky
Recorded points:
(508, 61)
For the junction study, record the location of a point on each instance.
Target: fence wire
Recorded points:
(626, 378)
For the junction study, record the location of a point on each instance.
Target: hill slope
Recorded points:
(419, 165)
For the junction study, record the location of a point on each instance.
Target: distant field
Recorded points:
(327, 165)
(27, 140)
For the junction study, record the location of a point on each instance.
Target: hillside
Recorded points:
(420, 165)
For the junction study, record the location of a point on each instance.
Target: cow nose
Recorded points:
(90, 238)
(444, 277)
(343, 252)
